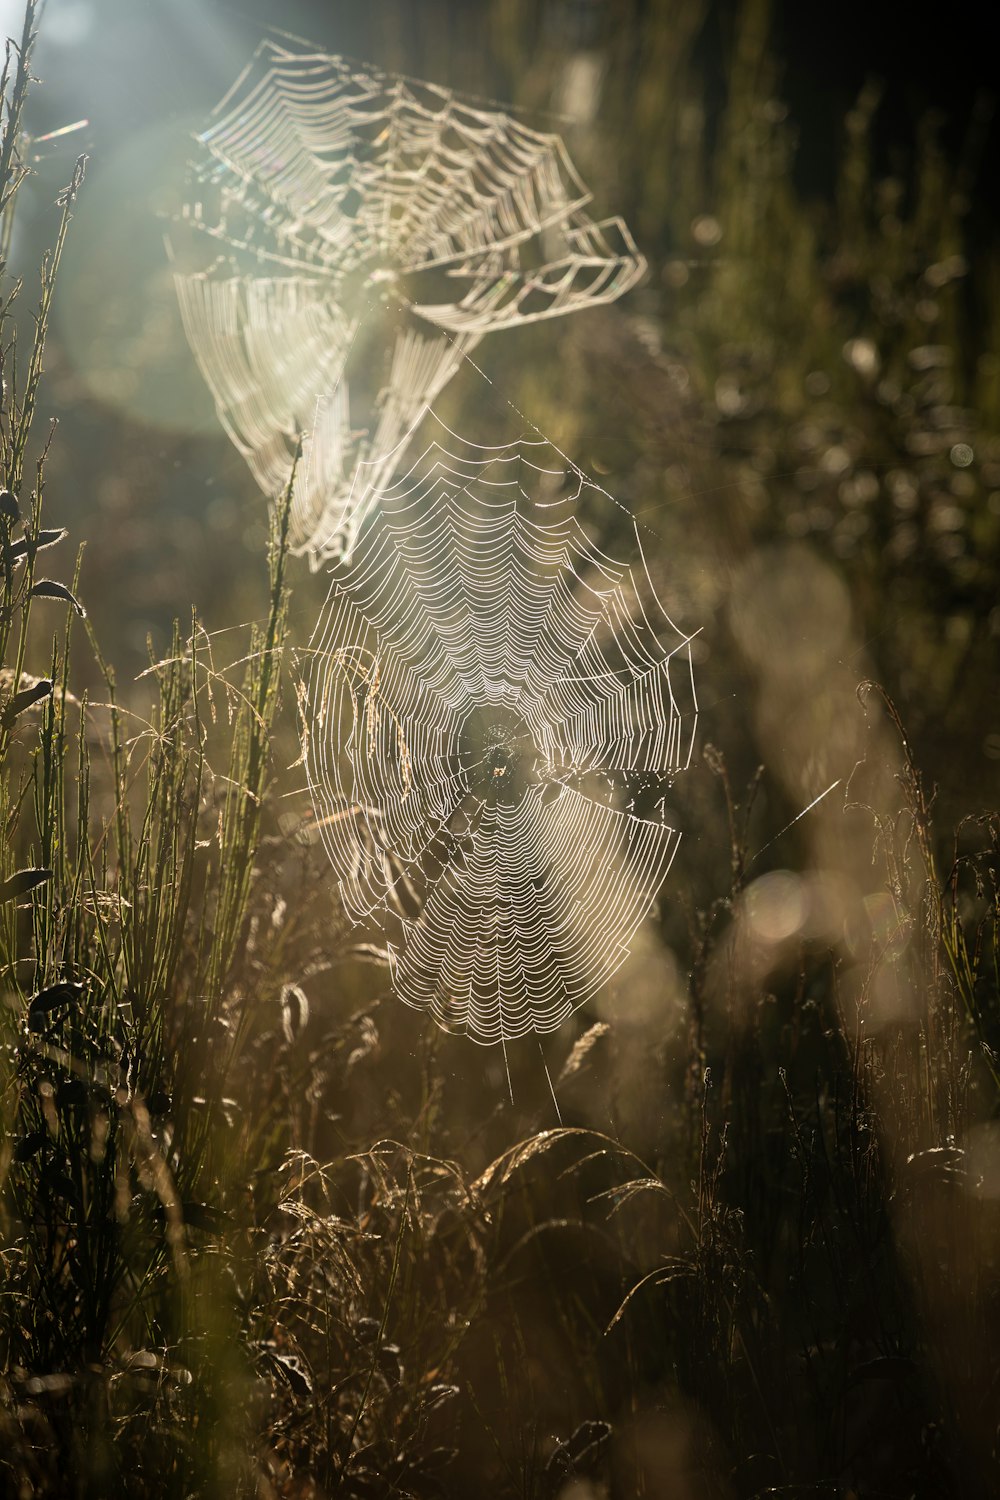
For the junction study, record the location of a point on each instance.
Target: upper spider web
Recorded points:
(390, 226)
(494, 713)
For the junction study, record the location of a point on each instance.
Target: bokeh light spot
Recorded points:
(776, 906)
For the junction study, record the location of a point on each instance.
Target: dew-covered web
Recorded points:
(494, 714)
(373, 230)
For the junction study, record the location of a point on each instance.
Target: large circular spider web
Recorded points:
(494, 713)
(390, 226)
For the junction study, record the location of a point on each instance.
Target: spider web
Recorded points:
(494, 714)
(390, 226)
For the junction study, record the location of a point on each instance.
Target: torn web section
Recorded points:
(584, 265)
(273, 353)
(281, 359)
(390, 216)
(421, 365)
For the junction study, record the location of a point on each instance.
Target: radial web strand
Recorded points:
(495, 711)
(371, 230)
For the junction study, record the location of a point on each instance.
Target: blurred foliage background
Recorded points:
(375, 1276)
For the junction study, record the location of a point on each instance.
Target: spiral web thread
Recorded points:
(494, 714)
(375, 211)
